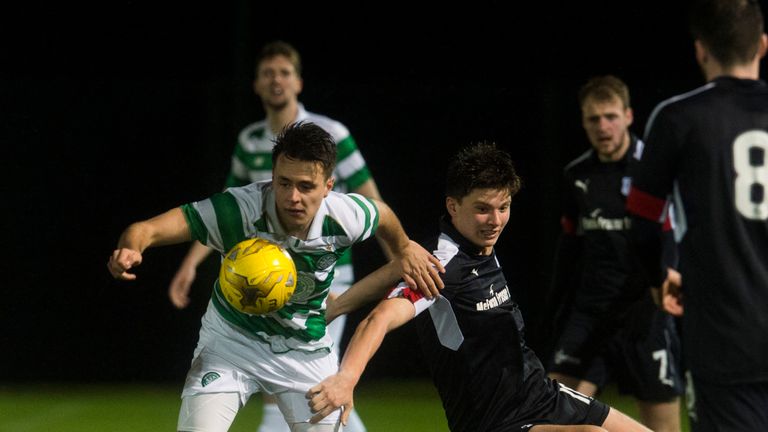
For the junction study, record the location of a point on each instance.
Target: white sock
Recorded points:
(272, 419)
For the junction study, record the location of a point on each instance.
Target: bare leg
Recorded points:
(617, 421)
(561, 428)
(661, 416)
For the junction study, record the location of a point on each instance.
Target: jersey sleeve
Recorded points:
(420, 303)
(652, 174)
(358, 215)
(217, 221)
(350, 165)
(569, 218)
(652, 171)
(238, 171)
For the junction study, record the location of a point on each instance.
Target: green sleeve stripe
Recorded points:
(233, 181)
(358, 178)
(345, 148)
(195, 222)
(228, 218)
(367, 212)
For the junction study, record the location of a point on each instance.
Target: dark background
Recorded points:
(115, 113)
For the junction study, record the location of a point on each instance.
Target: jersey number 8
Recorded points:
(750, 150)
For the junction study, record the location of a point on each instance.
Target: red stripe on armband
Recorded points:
(405, 292)
(645, 205)
(667, 223)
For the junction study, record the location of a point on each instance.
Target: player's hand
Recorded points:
(330, 308)
(672, 293)
(123, 260)
(181, 284)
(331, 394)
(421, 269)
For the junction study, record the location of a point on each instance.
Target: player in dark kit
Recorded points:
(612, 329)
(709, 150)
(472, 334)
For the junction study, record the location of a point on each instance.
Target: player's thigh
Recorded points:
(577, 347)
(618, 421)
(296, 411)
(208, 412)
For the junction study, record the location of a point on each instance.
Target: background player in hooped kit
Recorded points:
(612, 329)
(284, 352)
(278, 84)
(472, 333)
(708, 148)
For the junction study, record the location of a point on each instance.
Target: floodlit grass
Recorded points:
(384, 406)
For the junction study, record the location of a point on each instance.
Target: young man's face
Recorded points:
(606, 123)
(277, 83)
(481, 216)
(300, 187)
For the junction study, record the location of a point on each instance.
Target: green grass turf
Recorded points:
(384, 406)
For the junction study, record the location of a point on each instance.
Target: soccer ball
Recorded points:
(257, 276)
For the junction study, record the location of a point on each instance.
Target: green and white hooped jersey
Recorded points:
(227, 218)
(252, 158)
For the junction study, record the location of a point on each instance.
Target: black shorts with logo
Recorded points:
(645, 362)
(549, 402)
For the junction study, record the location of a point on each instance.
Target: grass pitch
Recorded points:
(401, 406)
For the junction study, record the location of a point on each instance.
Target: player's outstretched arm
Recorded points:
(178, 290)
(168, 228)
(336, 391)
(370, 190)
(418, 267)
(366, 290)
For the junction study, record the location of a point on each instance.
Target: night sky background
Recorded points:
(117, 112)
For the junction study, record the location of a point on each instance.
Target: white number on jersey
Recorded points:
(751, 174)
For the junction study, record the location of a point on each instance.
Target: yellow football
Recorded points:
(257, 276)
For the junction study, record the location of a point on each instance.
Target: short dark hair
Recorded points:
(729, 29)
(481, 166)
(276, 48)
(306, 141)
(604, 88)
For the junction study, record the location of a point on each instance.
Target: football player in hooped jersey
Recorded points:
(472, 333)
(278, 84)
(708, 148)
(285, 352)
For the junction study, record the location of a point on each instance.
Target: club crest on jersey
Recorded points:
(326, 261)
(304, 287)
(626, 184)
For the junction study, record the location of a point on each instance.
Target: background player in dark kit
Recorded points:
(612, 329)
